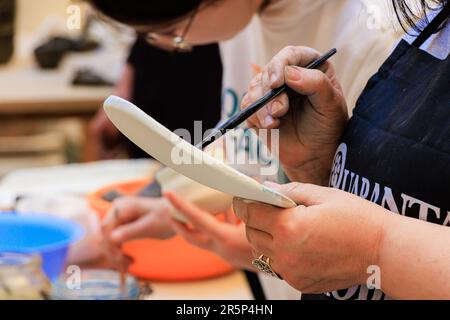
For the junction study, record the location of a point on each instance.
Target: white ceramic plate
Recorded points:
(164, 145)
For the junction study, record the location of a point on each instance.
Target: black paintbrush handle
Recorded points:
(252, 109)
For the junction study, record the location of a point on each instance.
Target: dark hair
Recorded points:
(152, 12)
(414, 17)
(147, 12)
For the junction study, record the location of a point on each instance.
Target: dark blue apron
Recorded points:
(396, 148)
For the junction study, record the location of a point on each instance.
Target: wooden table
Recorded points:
(85, 178)
(27, 92)
(232, 286)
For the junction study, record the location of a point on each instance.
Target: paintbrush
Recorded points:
(246, 113)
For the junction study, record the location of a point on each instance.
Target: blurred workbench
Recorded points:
(29, 93)
(47, 188)
(229, 287)
(27, 90)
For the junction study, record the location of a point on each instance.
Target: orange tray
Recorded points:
(163, 260)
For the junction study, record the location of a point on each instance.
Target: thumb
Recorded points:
(312, 83)
(302, 193)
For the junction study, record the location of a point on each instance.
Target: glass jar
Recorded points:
(97, 285)
(22, 278)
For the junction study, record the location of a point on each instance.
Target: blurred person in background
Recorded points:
(147, 81)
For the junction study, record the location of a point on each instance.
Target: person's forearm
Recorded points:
(414, 258)
(313, 166)
(124, 88)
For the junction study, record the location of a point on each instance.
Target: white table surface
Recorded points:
(229, 287)
(84, 178)
(79, 179)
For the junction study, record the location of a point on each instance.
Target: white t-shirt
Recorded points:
(320, 24)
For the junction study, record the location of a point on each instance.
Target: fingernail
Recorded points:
(239, 208)
(268, 121)
(235, 205)
(292, 74)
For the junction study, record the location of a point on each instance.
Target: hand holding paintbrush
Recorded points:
(246, 113)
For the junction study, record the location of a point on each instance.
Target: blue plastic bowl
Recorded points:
(48, 236)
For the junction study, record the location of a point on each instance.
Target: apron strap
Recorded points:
(432, 27)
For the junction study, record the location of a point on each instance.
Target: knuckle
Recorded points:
(284, 229)
(290, 50)
(293, 51)
(283, 52)
(293, 186)
(261, 114)
(245, 101)
(320, 78)
(282, 56)
(255, 82)
(305, 188)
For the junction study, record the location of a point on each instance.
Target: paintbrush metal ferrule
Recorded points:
(213, 136)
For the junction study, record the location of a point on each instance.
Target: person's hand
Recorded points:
(134, 218)
(311, 117)
(324, 244)
(105, 136)
(226, 239)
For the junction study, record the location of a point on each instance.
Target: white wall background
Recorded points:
(32, 13)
